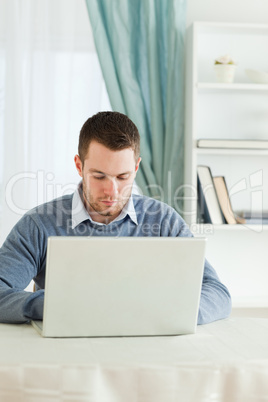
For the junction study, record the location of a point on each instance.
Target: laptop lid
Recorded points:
(126, 286)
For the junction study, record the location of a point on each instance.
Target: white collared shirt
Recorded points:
(80, 214)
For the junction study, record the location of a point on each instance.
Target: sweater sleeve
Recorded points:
(215, 301)
(20, 261)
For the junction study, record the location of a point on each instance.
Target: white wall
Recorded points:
(243, 11)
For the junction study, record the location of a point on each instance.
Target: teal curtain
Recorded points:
(140, 45)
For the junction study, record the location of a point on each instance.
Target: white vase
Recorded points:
(225, 72)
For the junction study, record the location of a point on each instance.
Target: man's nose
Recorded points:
(111, 187)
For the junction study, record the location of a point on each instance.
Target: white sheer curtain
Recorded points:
(50, 83)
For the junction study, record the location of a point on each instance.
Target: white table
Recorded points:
(225, 361)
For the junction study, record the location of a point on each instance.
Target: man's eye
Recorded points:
(99, 177)
(123, 177)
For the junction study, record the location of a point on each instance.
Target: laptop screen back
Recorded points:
(99, 286)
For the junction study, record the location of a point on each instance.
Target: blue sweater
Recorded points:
(23, 254)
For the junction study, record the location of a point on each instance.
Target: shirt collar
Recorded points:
(80, 214)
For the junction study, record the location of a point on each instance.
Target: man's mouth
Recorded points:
(109, 203)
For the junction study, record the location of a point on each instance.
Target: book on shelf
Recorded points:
(232, 144)
(209, 209)
(214, 205)
(224, 199)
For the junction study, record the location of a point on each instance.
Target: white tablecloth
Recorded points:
(225, 361)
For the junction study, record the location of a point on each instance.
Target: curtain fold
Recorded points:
(140, 45)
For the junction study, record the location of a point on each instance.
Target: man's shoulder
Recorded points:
(49, 218)
(63, 204)
(155, 213)
(149, 204)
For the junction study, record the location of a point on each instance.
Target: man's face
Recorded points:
(107, 180)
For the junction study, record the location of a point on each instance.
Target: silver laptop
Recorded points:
(122, 286)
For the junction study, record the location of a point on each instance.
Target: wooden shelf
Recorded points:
(203, 228)
(214, 86)
(231, 28)
(231, 151)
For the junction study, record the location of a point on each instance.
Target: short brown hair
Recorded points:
(114, 130)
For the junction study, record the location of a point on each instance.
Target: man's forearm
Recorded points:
(215, 301)
(215, 304)
(18, 306)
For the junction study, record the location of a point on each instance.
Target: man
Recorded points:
(103, 205)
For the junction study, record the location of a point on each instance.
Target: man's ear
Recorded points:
(78, 165)
(137, 165)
